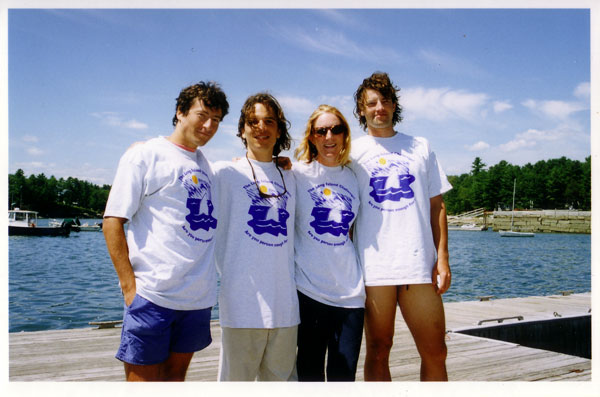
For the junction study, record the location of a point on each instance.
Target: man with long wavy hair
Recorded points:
(258, 305)
(401, 233)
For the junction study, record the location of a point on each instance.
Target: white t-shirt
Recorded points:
(255, 247)
(397, 177)
(167, 194)
(327, 201)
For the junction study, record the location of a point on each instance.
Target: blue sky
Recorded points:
(501, 84)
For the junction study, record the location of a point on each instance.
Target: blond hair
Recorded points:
(307, 152)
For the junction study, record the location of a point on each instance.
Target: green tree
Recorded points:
(16, 186)
(555, 183)
(56, 198)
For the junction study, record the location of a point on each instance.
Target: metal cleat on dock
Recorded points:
(501, 320)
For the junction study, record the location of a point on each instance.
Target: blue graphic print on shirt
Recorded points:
(269, 215)
(390, 180)
(199, 203)
(332, 212)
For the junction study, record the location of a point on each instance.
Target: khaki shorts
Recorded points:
(249, 354)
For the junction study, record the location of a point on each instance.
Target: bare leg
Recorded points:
(380, 315)
(176, 366)
(174, 369)
(142, 373)
(423, 311)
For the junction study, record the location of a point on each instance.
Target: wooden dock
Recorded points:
(88, 354)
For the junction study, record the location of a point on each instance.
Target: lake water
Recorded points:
(66, 282)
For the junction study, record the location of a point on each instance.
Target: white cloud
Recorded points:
(30, 139)
(450, 63)
(533, 137)
(135, 125)
(481, 145)
(517, 144)
(554, 109)
(538, 135)
(293, 104)
(339, 101)
(583, 91)
(328, 41)
(31, 164)
(501, 106)
(34, 151)
(84, 171)
(440, 104)
(228, 129)
(116, 120)
(340, 17)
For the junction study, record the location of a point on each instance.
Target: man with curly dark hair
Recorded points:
(165, 189)
(401, 232)
(209, 93)
(381, 83)
(258, 303)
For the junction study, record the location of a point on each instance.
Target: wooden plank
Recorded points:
(88, 354)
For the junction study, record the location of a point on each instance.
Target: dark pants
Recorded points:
(335, 330)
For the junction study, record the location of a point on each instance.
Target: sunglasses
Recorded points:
(335, 130)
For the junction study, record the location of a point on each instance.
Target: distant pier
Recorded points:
(543, 221)
(88, 354)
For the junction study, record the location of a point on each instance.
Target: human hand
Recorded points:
(129, 295)
(285, 163)
(441, 277)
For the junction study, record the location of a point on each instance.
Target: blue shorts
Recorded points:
(150, 332)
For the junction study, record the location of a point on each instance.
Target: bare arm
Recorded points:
(114, 234)
(439, 227)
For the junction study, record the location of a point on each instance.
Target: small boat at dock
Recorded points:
(25, 223)
(472, 227)
(511, 232)
(76, 225)
(90, 228)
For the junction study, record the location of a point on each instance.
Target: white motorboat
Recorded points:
(25, 223)
(472, 227)
(90, 228)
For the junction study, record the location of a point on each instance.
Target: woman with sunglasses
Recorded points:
(329, 278)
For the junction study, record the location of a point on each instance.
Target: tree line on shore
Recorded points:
(548, 184)
(56, 198)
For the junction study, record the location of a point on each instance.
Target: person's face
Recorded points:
(261, 132)
(377, 110)
(327, 135)
(199, 125)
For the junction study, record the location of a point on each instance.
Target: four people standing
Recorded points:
(274, 276)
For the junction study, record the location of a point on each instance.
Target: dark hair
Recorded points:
(284, 141)
(208, 92)
(378, 81)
